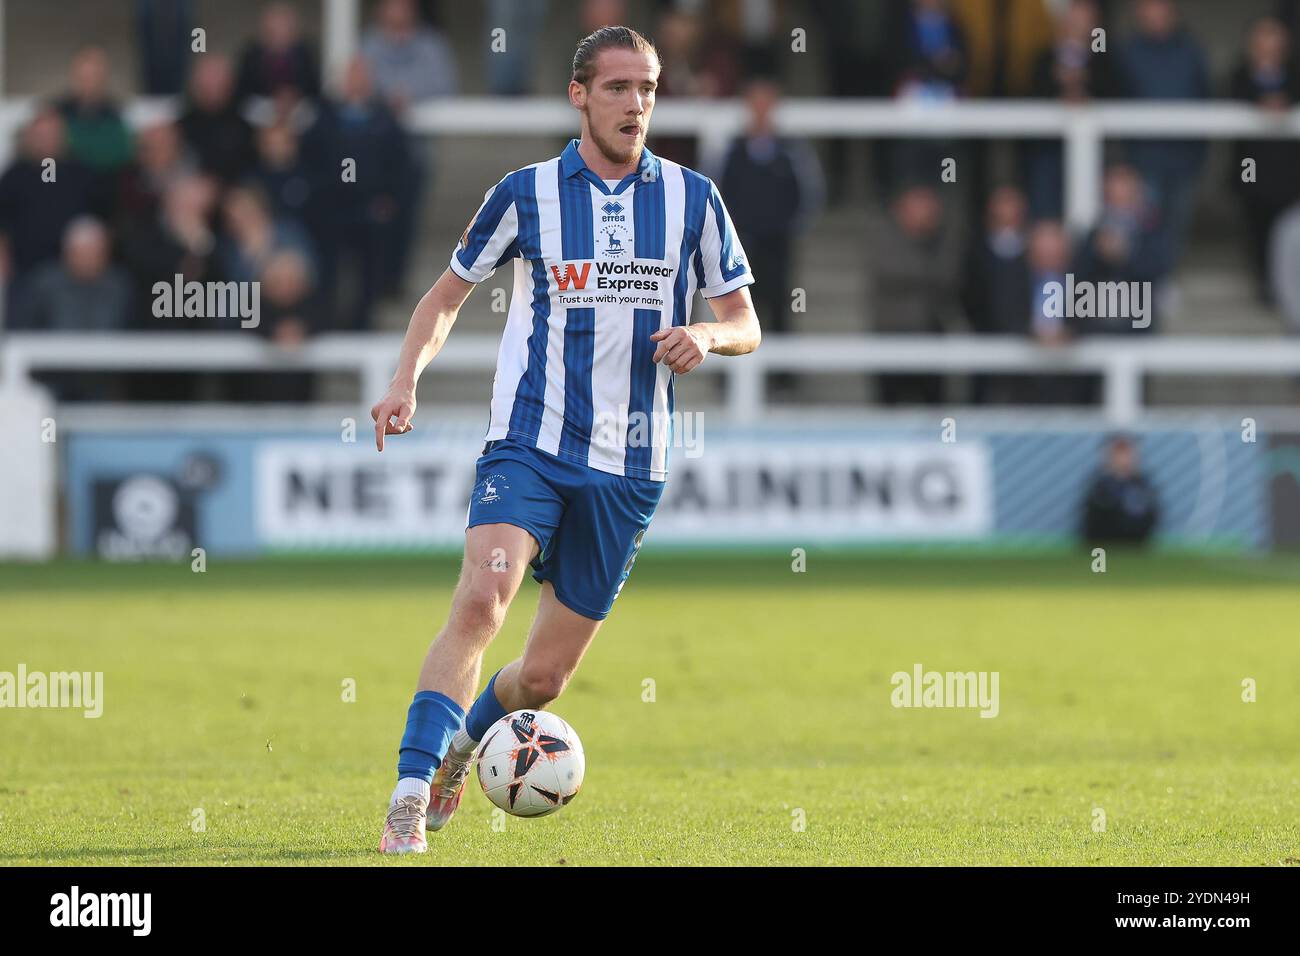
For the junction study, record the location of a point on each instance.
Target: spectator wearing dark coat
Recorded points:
(1121, 506)
(161, 159)
(773, 186)
(1126, 245)
(928, 63)
(179, 240)
(995, 285)
(1069, 72)
(363, 220)
(212, 125)
(41, 192)
(163, 29)
(278, 60)
(83, 291)
(1266, 77)
(914, 260)
(1164, 61)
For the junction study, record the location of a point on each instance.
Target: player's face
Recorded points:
(617, 107)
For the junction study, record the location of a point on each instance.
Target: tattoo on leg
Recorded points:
(495, 564)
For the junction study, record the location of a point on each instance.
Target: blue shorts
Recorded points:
(588, 523)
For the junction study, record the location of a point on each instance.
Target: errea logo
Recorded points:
(572, 276)
(613, 211)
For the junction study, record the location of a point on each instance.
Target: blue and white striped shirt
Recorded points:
(597, 270)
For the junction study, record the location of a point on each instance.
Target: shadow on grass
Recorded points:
(181, 855)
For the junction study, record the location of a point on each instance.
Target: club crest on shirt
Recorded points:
(464, 236)
(615, 241)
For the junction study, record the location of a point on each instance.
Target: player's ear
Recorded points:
(577, 94)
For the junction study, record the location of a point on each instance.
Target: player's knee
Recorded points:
(541, 685)
(483, 608)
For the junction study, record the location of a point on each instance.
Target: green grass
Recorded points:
(1119, 691)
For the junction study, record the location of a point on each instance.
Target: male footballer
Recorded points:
(609, 244)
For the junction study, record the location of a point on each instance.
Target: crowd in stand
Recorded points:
(245, 183)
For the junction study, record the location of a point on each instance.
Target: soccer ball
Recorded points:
(530, 763)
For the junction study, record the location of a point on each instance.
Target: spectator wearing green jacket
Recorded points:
(96, 132)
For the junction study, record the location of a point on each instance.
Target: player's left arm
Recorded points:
(733, 331)
(725, 278)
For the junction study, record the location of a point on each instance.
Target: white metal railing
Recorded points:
(1121, 363)
(1083, 129)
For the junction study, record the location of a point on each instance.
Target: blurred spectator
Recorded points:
(296, 185)
(288, 316)
(37, 201)
(286, 294)
(1126, 245)
(1049, 261)
(773, 186)
(179, 240)
(1004, 40)
(409, 61)
(370, 239)
(595, 14)
(1163, 61)
(1051, 258)
(914, 264)
(160, 160)
(211, 122)
(1288, 11)
(96, 132)
(1268, 78)
(995, 286)
(1070, 72)
(929, 51)
(1120, 507)
(1284, 260)
(253, 235)
(753, 25)
(510, 71)
(163, 28)
(857, 65)
(83, 291)
(278, 60)
(696, 63)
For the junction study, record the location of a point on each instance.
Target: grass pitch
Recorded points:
(771, 738)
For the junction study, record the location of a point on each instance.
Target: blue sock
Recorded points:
(485, 711)
(430, 723)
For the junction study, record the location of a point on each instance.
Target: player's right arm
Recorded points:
(430, 322)
(488, 241)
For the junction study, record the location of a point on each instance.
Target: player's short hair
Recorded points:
(584, 58)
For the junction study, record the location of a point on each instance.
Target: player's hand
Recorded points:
(681, 348)
(392, 413)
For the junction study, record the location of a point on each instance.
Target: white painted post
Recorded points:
(341, 31)
(1083, 159)
(1123, 390)
(745, 390)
